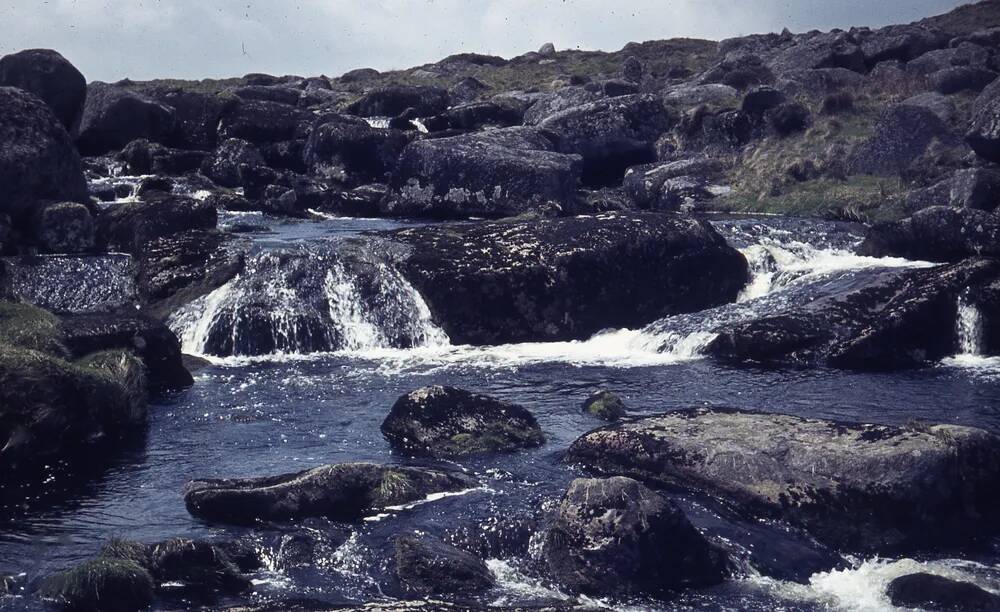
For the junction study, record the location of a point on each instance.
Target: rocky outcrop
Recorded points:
(230, 160)
(263, 123)
(610, 134)
(489, 174)
(114, 116)
(984, 130)
(901, 135)
(891, 319)
(936, 233)
(353, 153)
(861, 487)
(49, 76)
(617, 537)
(649, 186)
(562, 279)
(37, 160)
(63, 227)
(144, 157)
(449, 422)
(344, 492)
(938, 593)
(392, 100)
(132, 226)
(428, 566)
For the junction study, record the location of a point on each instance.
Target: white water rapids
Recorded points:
(782, 267)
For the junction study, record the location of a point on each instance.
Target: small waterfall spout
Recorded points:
(969, 327)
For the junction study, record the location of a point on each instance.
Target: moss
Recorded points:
(605, 405)
(125, 370)
(395, 485)
(102, 584)
(30, 327)
(857, 198)
(497, 437)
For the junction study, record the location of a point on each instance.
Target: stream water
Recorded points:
(319, 397)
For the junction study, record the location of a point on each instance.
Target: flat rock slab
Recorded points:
(857, 486)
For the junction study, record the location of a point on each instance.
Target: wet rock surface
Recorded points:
(450, 422)
(345, 492)
(427, 566)
(931, 592)
(871, 488)
(567, 278)
(615, 536)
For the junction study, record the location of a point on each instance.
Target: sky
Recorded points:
(141, 39)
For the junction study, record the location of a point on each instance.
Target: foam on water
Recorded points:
(863, 586)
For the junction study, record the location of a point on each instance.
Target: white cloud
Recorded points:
(113, 39)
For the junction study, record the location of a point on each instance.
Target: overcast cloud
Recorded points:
(140, 39)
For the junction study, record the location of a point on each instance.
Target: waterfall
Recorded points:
(305, 300)
(969, 327)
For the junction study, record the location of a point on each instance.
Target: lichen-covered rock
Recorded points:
(567, 278)
(392, 100)
(346, 492)
(352, 152)
(861, 487)
(114, 116)
(615, 536)
(605, 405)
(428, 566)
(936, 233)
(262, 122)
(901, 135)
(644, 183)
(37, 160)
(449, 422)
(610, 134)
(225, 166)
(63, 227)
(51, 77)
(496, 173)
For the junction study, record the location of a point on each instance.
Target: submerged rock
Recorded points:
(51, 77)
(861, 487)
(562, 279)
(37, 160)
(449, 422)
(605, 405)
(891, 319)
(346, 492)
(615, 536)
(937, 593)
(428, 566)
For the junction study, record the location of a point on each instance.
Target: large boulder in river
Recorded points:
(114, 116)
(233, 159)
(616, 537)
(49, 76)
(567, 278)
(495, 173)
(352, 152)
(938, 593)
(428, 566)
(936, 233)
(131, 226)
(860, 487)
(37, 160)
(883, 320)
(610, 134)
(344, 492)
(449, 422)
(392, 100)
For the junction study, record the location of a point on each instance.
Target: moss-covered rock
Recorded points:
(101, 585)
(604, 405)
(449, 422)
(30, 327)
